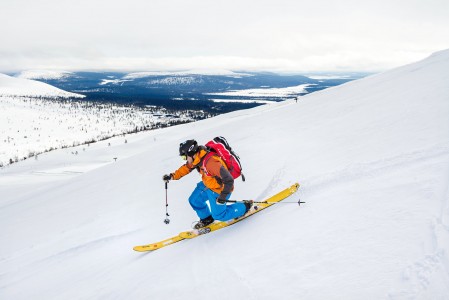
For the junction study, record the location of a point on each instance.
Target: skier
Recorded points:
(216, 185)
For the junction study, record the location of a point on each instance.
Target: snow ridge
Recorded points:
(44, 74)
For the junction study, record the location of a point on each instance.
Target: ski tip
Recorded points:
(294, 187)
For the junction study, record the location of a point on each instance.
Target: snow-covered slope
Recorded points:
(372, 157)
(31, 126)
(12, 86)
(44, 74)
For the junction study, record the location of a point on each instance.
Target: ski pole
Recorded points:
(167, 220)
(266, 202)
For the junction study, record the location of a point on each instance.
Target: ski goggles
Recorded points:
(184, 157)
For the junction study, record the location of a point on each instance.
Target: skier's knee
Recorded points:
(219, 216)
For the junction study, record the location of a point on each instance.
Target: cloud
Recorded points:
(282, 35)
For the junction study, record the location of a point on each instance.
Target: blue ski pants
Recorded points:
(222, 212)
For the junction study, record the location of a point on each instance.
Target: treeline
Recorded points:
(198, 102)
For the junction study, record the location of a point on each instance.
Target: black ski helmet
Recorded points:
(188, 148)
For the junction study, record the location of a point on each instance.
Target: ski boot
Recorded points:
(204, 222)
(248, 205)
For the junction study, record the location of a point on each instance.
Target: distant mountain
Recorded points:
(215, 92)
(184, 85)
(12, 86)
(44, 74)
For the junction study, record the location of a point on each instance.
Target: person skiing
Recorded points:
(216, 186)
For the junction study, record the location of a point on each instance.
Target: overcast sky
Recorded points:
(272, 35)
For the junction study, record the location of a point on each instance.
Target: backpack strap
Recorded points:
(205, 159)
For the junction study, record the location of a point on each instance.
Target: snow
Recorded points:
(41, 118)
(372, 158)
(112, 81)
(11, 86)
(44, 74)
(267, 92)
(34, 126)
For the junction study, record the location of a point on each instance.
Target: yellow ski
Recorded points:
(221, 224)
(158, 245)
(255, 209)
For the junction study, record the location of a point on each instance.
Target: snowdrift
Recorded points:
(373, 163)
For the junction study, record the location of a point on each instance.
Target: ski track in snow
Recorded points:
(417, 277)
(275, 184)
(420, 275)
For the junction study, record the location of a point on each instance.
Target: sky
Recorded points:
(290, 36)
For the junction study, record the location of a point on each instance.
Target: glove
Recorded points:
(166, 177)
(221, 199)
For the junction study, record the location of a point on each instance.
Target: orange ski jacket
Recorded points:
(213, 170)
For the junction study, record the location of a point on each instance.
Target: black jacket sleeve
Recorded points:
(228, 183)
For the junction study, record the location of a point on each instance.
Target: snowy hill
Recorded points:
(12, 86)
(44, 74)
(372, 158)
(31, 126)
